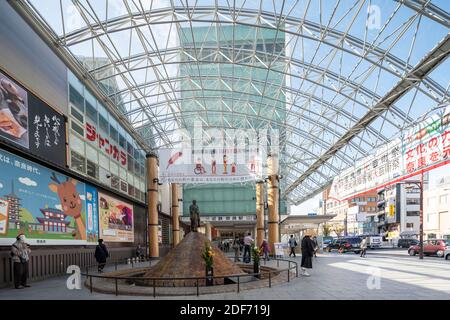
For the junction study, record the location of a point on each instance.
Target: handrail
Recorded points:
(196, 278)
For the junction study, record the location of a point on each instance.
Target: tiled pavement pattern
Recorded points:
(334, 276)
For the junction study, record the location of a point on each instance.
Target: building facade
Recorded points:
(437, 210)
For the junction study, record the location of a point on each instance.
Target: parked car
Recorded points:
(431, 247)
(406, 243)
(326, 241)
(347, 244)
(447, 253)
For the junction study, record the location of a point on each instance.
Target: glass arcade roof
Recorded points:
(337, 78)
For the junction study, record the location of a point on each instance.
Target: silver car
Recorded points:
(447, 253)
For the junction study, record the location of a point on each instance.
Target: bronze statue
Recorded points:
(195, 216)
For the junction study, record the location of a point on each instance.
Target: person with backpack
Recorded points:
(101, 254)
(292, 244)
(20, 254)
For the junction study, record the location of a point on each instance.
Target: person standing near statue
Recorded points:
(195, 216)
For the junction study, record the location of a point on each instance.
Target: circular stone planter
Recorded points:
(167, 287)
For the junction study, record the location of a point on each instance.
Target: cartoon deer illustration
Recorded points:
(70, 201)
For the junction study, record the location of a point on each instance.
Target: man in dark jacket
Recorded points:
(101, 254)
(307, 253)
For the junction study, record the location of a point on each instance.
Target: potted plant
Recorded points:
(208, 257)
(256, 255)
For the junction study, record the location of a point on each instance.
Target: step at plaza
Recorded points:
(224, 150)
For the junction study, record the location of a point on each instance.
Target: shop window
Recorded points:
(131, 190)
(115, 181)
(91, 112)
(77, 128)
(113, 133)
(76, 114)
(76, 144)
(122, 142)
(103, 124)
(77, 162)
(92, 169)
(130, 164)
(76, 98)
(123, 186)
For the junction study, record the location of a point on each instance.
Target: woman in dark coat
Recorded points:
(307, 254)
(101, 254)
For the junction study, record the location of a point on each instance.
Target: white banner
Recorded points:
(427, 144)
(421, 148)
(208, 166)
(373, 171)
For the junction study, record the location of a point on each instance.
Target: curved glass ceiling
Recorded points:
(337, 78)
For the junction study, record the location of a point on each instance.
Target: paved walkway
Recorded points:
(334, 276)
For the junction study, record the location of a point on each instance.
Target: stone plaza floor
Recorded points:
(382, 275)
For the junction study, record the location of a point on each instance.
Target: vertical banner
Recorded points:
(116, 219)
(91, 213)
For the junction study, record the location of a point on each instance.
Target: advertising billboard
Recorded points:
(115, 219)
(207, 166)
(28, 122)
(47, 206)
(13, 112)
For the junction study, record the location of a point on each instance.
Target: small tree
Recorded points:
(326, 230)
(338, 229)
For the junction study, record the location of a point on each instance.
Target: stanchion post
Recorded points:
(270, 279)
(117, 289)
(198, 293)
(154, 289)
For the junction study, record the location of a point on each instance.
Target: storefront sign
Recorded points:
(48, 207)
(116, 219)
(28, 122)
(104, 144)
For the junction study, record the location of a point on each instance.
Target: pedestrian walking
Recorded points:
(101, 254)
(363, 247)
(247, 248)
(292, 244)
(236, 248)
(140, 253)
(265, 249)
(20, 253)
(307, 253)
(316, 246)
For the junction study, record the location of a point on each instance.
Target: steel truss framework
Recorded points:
(337, 87)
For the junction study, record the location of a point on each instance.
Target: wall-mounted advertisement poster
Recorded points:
(28, 122)
(48, 207)
(116, 219)
(91, 213)
(13, 112)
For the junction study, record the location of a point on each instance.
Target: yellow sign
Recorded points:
(391, 210)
